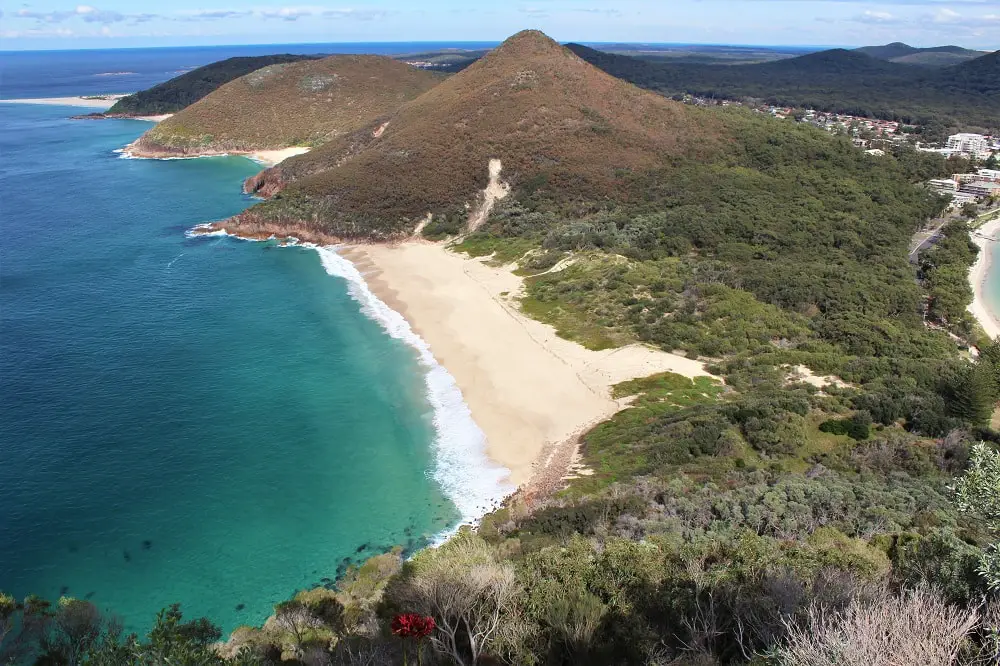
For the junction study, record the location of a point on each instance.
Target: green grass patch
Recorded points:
(670, 388)
(504, 250)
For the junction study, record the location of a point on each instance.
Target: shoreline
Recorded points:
(531, 392)
(979, 274)
(266, 158)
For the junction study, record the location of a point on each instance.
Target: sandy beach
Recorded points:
(104, 102)
(267, 158)
(529, 390)
(153, 119)
(978, 276)
(272, 157)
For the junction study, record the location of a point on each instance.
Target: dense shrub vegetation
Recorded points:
(963, 95)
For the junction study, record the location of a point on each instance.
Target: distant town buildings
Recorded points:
(968, 187)
(981, 188)
(943, 185)
(876, 136)
(973, 145)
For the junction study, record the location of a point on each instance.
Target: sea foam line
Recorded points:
(471, 481)
(474, 484)
(123, 154)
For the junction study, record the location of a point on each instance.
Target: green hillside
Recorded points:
(935, 56)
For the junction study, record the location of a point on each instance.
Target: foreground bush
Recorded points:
(915, 628)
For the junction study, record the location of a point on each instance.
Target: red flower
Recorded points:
(412, 625)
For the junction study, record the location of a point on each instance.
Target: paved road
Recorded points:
(926, 238)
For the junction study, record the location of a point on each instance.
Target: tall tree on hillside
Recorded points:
(978, 492)
(973, 394)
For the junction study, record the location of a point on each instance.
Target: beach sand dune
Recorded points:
(980, 274)
(528, 389)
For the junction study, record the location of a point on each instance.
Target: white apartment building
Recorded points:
(943, 185)
(969, 144)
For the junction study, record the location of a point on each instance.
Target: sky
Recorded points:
(64, 24)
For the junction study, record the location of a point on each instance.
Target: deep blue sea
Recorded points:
(96, 71)
(198, 420)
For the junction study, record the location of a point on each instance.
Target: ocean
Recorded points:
(991, 293)
(196, 420)
(97, 71)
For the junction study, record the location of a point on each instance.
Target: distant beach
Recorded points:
(530, 391)
(272, 157)
(95, 102)
(267, 158)
(103, 102)
(985, 238)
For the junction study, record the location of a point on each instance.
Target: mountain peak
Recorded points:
(528, 114)
(527, 43)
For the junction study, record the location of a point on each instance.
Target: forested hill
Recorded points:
(965, 95)
(289, 104)
(935, 56)
(181, 91)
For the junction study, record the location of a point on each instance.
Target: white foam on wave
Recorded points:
(470, 480)
(124, 154)
(198, 231)
(474, 484)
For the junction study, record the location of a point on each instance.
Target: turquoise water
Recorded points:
(197, 420)
(992, 291)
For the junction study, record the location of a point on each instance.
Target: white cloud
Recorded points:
(870, 16)
(295, 13)
(86, 13)
(945, 15)
(37, 32)
(213, 14)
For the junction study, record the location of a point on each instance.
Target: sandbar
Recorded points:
(102, 102)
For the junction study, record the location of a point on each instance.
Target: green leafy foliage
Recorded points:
(978, 492)
(945, 271)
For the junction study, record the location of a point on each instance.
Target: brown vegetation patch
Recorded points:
(560, 126)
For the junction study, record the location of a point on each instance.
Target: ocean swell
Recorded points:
(470, 480)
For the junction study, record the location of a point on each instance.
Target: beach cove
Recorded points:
(984, 279)
(532, 392)
(164, 391)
